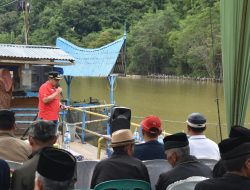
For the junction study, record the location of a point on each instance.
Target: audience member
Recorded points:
(184, 165)
(235, 154)
(236, 131)
(200, 145)
(151, 149)
(4, 175)
(42, 134)
(11, 148)
(121, 164)
(55, 169)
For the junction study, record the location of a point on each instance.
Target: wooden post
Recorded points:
(26, 22)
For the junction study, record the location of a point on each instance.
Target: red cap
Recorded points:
(151, 122)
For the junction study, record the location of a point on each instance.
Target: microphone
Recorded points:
(57, 85)
(61, 93)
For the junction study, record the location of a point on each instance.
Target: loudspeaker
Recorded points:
(120, 118)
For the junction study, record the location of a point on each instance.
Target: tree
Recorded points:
(192, 42)
(148, 47)
(95, 40)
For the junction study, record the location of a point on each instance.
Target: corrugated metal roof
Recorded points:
(33, 52)
(99, 62)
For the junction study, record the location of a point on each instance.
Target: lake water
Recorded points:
(171, 100)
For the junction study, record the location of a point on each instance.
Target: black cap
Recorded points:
(239, 131)
(196, 120)
(43, 130)
(7, 119)
(56, 164)
(7, 115)
(234, 147)
(55, 75)
(177, 140)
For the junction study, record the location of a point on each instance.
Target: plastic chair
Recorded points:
(85, 171)
(155, 168)
(208, 162)
(13, 165)
(123, 184)
(186, 184)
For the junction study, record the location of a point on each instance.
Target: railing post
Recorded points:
(105, 112)
(99, 148)
(108, 151)
(112, 79)
(83, 125)
(68, 80)
(140, 134)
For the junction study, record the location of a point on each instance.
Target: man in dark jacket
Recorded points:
(184, 165)
(55, 170)
(235, 155)
(236, 131)
(121, 164)
(4, 175)
(42, 134)
(151, 149)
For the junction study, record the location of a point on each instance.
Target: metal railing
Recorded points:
(102, 138)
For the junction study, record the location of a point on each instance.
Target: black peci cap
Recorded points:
(177, 140)
(239, 131)
(234, 147)
(7, 115)
(56, 164)
(7, 119)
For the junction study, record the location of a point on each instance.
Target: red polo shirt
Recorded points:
(50, 110)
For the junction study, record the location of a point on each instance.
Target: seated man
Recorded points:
(55, 169)
(151, 149)
(236, 131)
(42, 134)
(121, 164)
(235, 155)
(11, 148)
(200, 145)
(184, 165)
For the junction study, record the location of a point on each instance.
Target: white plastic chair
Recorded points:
(155, 168)
(208, 162)
(85, 171)
(13, 165)
(186, 184)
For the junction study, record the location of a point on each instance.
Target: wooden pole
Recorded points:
(26, 22)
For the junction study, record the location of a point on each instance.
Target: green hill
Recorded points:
(163, 36)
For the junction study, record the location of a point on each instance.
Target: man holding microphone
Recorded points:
(49, 98)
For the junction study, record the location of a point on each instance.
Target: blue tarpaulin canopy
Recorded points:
(98, 62)
(106, 61)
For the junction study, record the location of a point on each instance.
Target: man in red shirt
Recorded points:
(49, 98)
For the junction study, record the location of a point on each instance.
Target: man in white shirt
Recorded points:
(200, 145)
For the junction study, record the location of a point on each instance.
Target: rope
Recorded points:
(173, 121)
(217, 68)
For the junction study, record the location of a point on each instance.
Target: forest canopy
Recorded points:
(172, 37)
